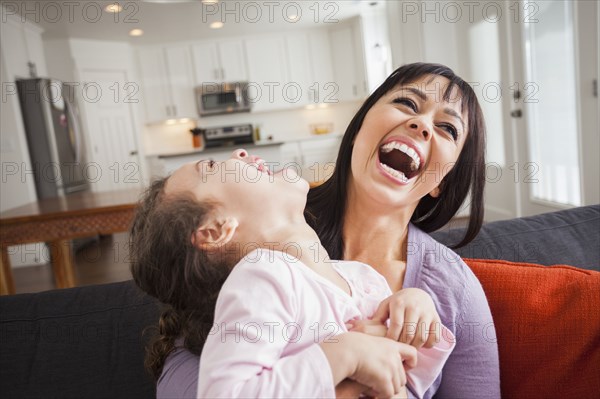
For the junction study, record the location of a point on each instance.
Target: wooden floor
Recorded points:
(105, 261)
(101, 262)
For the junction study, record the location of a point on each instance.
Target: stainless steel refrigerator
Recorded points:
(54, 136)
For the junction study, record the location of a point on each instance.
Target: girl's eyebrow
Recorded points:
(198, 164)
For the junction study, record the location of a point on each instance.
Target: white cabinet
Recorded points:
(168, 82)
(181, 81)
(315, 157)
(349, 59)
(299, 90)
(267, 71)
(222, 61)
(290, 70)
(22, 48)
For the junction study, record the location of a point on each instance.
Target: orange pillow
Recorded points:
(547, 321)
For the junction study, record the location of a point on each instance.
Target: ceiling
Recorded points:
(166, 21)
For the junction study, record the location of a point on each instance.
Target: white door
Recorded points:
(106, 101)
(523, 65)
(554, 44)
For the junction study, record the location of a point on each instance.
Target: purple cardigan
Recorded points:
(472, 370)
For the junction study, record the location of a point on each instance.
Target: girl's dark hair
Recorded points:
(166, 265)
(326, 203)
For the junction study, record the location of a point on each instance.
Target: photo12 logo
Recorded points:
(71, 11)
(269, 11)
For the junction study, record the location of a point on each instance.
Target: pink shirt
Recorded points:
(271, 315)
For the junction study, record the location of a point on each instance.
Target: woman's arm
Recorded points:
(472, 370)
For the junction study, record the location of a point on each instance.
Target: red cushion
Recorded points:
(547, 321)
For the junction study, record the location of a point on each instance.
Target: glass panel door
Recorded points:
(550, 102)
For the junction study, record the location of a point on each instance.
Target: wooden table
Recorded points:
(56, 221)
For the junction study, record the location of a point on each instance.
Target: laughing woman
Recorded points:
(407, 162)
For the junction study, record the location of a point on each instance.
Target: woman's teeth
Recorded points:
(397, 174)
(394, 145)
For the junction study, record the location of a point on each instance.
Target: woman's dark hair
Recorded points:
(166, 265)
(326, 203)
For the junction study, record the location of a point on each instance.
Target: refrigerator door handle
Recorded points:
(75, 122)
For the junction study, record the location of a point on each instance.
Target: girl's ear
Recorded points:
(214, 233)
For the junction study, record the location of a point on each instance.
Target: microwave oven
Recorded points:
(222, 98)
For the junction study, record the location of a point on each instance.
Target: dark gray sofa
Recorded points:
(88, 342)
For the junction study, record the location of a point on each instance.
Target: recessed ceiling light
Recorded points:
(210, 1)
(113, 8)
(293, 17)
(136, 32)
(216, 25)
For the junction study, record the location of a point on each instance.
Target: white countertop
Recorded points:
(262, 143)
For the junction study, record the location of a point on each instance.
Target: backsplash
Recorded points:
(281, 126)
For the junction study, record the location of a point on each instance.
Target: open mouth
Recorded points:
(399, 160)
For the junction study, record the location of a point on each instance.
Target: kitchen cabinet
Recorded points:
(267, 72)
(168, 82)
(22, 50)
(348, 55)
(221, 61)
(291, 70)
(314, 157)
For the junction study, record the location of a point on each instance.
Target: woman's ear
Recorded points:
(215, 233)
(435, 192)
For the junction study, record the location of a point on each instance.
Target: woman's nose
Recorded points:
(239, 154)
(421, 128)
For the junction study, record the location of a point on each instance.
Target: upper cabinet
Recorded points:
(221, 61)
(22, 49)
(347, 48)
(267, 72)
(168, 82)
(287, 70)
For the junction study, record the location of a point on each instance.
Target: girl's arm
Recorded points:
(255, 320)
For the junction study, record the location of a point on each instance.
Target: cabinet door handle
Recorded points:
(222, 74)
(216, 73)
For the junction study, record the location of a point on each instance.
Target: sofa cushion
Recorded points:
(547, 327)
(570, 237)
(76, 343)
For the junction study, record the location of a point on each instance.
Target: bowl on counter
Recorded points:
(321, 128)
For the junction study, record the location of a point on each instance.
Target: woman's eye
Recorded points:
(407, 102)
(211, 163)
(451, 130)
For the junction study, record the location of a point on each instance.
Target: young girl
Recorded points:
(226, 245)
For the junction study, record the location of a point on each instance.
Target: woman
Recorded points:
(407, 161)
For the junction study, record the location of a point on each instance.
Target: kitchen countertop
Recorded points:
(190, 151)
(264, 143)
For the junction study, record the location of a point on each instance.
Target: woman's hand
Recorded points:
(375, 362)
(413, 318)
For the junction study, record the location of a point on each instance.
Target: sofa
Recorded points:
(88, 342)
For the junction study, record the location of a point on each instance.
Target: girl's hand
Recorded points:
(413, 317)
(375, 362)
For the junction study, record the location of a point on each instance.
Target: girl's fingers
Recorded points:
(396, 324)
(409, 328)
